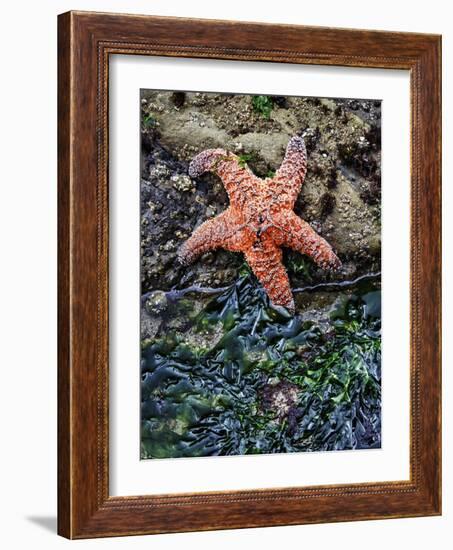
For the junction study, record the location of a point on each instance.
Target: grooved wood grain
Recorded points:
(85, 41)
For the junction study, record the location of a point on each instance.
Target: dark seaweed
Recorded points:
(263, 381)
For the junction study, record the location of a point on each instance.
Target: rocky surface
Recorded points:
(340, 197)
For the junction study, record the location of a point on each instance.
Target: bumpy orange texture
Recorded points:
(260, 219)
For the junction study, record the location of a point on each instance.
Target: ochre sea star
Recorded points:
(260, 219)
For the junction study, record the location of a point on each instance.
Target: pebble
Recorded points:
(169, 245)
(159, 171)
(181, 182)
(157, 302)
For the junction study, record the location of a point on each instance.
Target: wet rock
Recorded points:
(149, 326)
(159, 171)
(206, 338)
(156, 302)
(280, 397)
(182, 183)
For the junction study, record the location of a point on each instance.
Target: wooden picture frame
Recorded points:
(85, 41)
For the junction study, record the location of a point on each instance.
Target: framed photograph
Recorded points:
(249, 275)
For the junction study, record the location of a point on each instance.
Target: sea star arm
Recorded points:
(297, 234)
(223, 231)
(238, 180)
(289, 177)
(265, 260)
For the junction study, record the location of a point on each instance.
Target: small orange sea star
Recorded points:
(260, 219)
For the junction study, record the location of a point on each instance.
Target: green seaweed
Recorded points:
(269, 383)
(263, 104)
(244, 159)
(301, 266)
(149, 121)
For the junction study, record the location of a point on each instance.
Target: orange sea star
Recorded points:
(260, 219)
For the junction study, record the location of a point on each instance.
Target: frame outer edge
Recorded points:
(64, 527)
(439, 164)
(427, 276)
(432, 64)
(438, 169)
(82, 512)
